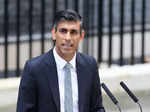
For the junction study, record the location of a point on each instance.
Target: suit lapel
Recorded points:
(53, 78)
(81, 72)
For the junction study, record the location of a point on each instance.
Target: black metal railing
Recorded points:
(104, 21)
(6, 28)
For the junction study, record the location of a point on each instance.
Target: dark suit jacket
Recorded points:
(39, 90)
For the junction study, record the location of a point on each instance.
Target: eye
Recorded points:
(74, 32)
(63, 30)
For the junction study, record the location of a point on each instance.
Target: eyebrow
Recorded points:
(68, 29)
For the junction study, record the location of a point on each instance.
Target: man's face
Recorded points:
(67, 36)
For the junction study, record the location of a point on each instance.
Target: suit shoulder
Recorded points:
(86, 58)
(36, 61)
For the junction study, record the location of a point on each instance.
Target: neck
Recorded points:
(66, 57)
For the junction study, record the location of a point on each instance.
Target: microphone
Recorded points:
(133, 97)
(114, 100)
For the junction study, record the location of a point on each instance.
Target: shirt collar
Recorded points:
(60, 62)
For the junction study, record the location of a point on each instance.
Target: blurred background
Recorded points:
(117, 35)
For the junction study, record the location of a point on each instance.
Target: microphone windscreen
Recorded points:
(134, 98)
(109, 93)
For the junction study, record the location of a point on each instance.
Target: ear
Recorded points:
(53, 33)
(82, 35)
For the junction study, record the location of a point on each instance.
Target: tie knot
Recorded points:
(67, 66)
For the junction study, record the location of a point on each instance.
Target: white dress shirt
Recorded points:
(60, 63)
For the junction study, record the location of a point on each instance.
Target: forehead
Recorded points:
(69, 25)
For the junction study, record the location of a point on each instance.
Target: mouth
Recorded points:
(67, 45)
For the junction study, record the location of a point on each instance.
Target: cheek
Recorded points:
(76, 43)
(59, 39)
(58, 42)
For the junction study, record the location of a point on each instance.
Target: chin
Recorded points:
(66, 52)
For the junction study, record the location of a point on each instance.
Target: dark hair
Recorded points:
(67, 15)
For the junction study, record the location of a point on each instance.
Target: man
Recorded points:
(45, 85)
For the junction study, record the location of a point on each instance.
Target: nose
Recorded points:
(68, 36)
